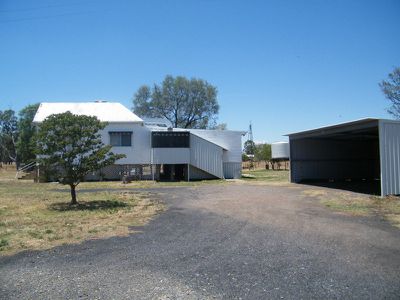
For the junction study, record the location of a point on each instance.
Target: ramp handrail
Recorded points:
(31, 164)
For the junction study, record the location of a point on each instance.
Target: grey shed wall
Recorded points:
(315, 159)
(389, 148)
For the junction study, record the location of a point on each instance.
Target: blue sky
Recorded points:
(284, 65)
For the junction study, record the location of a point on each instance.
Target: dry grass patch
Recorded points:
(315, 193)
(148, 184)
(390, 208)
(266, 176)
(387, 207)
(37, 216)
(354, 206)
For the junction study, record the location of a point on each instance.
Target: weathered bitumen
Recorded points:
(221, 241)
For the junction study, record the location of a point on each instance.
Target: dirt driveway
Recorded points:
(222, 241)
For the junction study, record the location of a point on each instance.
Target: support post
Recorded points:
(38, 173)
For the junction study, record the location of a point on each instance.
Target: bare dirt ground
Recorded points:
(237, 240)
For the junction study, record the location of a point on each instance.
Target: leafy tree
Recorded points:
(186, 103)
(221, 126)
(70, 146)
(249, 147)
(25, 144)
(8, 136)
(263, 152)
(391, 89)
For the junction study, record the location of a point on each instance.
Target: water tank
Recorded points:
(280, 150)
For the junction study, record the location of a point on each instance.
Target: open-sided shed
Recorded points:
(366, 150)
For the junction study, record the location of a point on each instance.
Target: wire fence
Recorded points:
(268, 165)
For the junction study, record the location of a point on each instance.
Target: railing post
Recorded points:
(38, 173)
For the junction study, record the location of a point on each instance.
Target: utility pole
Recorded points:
(250, 133)
(252, 150)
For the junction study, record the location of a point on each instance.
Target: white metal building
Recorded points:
(366, 150)
(168, 153)
(280, 150)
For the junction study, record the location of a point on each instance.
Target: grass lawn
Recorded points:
(147, 184)
(37, 216)
(263, 175)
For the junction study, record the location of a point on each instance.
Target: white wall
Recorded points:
(139, 152)
(229, 140)
(171, 155)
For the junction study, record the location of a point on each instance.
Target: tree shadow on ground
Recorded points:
(88, 205)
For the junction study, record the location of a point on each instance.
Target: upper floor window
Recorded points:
(120, 138)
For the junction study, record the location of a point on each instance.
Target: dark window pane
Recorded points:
(126, 140)
(123, 138)
(114, 139)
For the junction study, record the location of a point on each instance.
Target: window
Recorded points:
(121, 138)
(169, 139)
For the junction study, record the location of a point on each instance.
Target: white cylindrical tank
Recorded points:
(280, 150)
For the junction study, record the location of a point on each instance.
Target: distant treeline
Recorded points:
(17, 135)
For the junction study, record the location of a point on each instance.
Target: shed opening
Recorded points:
(343, 157)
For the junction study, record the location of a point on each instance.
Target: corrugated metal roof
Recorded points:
(156, 122)
(105, 111)
(367, 122)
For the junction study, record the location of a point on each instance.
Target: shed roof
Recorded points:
(105, 111)
(342, 128)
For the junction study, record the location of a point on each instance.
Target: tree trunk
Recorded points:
(73, 195)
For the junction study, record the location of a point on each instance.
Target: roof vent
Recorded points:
(170, 129)
(100, 101)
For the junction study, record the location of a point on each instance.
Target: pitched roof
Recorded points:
(341, 127)
(105, 111)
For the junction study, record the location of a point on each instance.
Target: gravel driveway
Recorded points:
(222, 241)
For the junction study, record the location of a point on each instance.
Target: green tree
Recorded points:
(186, 103)
(70, 146)
(220, 126)
(25, 144)
(8, 136)
(263, 152)
(391, 89)
(249, 147)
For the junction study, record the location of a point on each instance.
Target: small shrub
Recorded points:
(54, 238)
(35, 234)
(3, 244)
